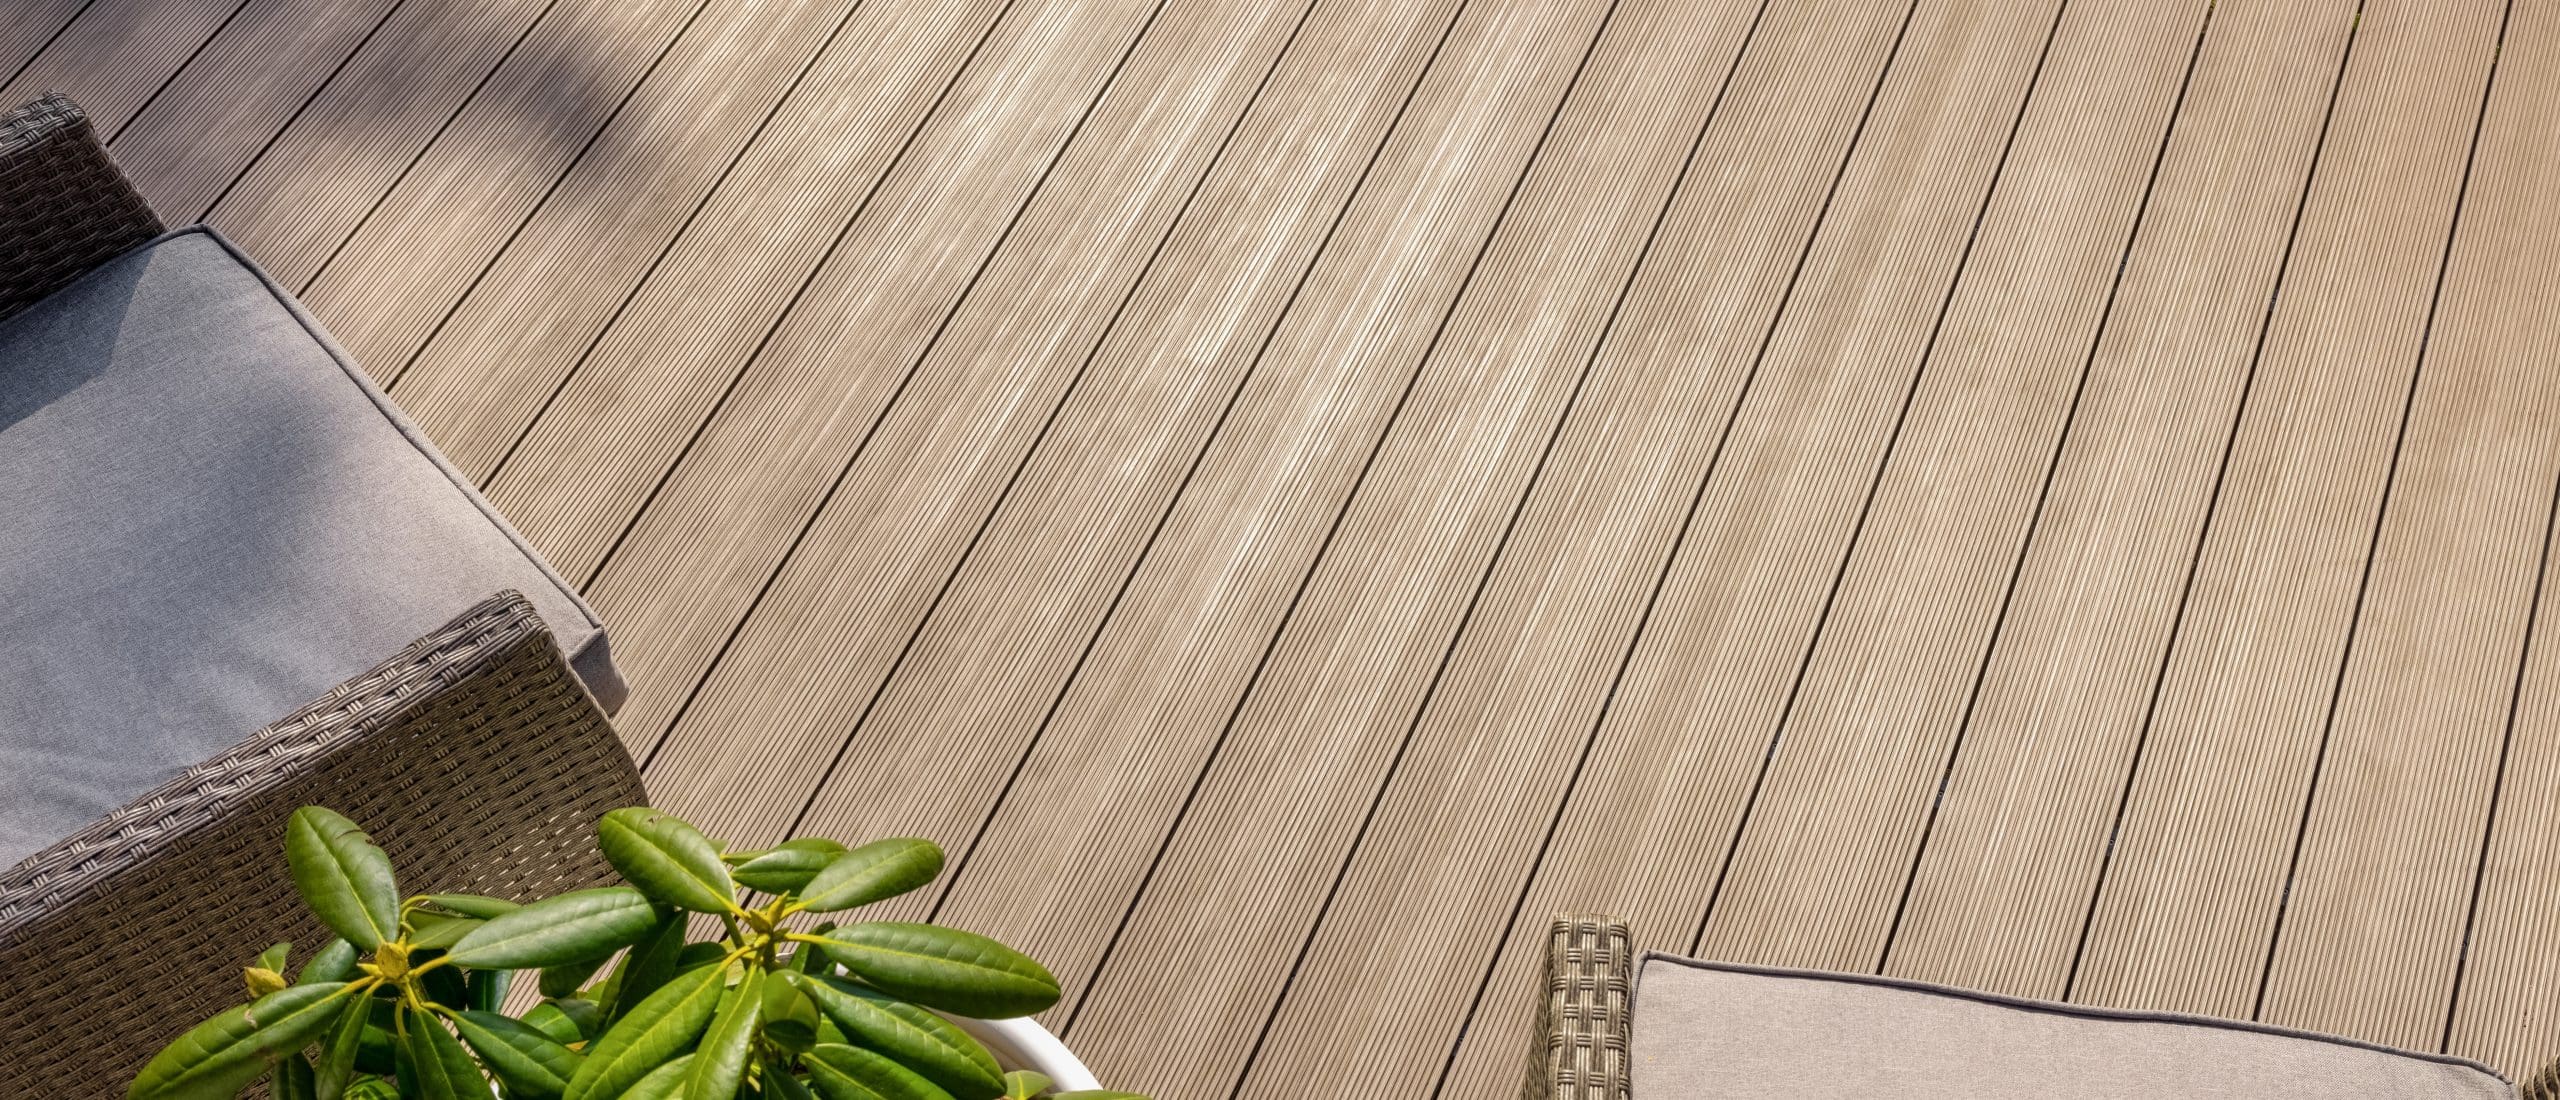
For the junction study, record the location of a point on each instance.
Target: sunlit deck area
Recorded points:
(2049, 497)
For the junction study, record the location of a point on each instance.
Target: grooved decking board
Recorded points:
(903, 403)
(891, 520)
(2502, 1009)
(221, 109)
(2011, 853)
(2186, 909)
(1119, 418)
(1491, 749)
(610, 385)
(1831, 821)
(2407, 772)
(1804, 444)
(589, 183)
(342, 153)
(31, 26)
(1121, 740)
(1292, 494)
(118, 52)
(412, 251)
(1319, 721)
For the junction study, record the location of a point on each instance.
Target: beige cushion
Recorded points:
(1706, 1030)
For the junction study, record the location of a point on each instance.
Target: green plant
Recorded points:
(406, 1001)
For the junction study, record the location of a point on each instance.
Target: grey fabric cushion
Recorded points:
(210, 519)
(1706, 1030)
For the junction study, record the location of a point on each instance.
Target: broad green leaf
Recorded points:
(567, 928)
(667, 859)
(373, 1088)
(436, 930)
(549, 1020)
(568, 978)
(918, 1039)
(273, 958)
(654, 1031)
(378, 1051)
(1023, 1084)
(587, 1015)
(292, 1080)
(781, 1084)
(852, 1073)
(663, 1083)
(699, 954)
(962, 973)
(216, 1057)
(338, 1054)
(333, 963)
(472, 905)
(720, 1063)
(791, 1035)
(443, 1068)
(653, 960)
(489, 988)
(446, 986)
(878, 870)
(527, 1061)
(345, 879)
(787, 867)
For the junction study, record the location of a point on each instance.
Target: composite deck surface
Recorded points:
(2052, 496)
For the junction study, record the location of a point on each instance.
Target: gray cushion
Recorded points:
(211, 519)
(1707, 1030)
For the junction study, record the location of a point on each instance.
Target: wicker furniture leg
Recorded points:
(1581, 1045)
(64, 208)
(474, 756)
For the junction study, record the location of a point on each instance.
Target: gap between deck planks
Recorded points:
(1273, 307)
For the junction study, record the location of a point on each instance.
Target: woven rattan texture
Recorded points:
(1581, 1050)
(64, 208)
(474, 757)
(2543, 1085)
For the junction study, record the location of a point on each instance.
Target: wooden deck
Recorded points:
(2052, 497)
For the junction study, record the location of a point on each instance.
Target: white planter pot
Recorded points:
(1021, 1043)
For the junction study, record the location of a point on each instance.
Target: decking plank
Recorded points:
(1135, 375)
(1319, 723)
(571, 173)
(2010, 856)
(2380, 891)
(116, 54)
(906, 395)
(1833, 816)
(343, 152)
(1121, 733)
(612, 383)
(1490, 751)
(2501, 1012)
(1774, 510)
(2186, 908)
(235, 96)
(826, 599)
(33, 25)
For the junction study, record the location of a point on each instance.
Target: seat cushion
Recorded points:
(211, 519)
(1705, 1030)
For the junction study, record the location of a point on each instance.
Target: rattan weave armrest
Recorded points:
(474, 757)
(1580, 1046)
(64, 208)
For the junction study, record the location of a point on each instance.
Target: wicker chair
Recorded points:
(476, 756)
(1585, 1018)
